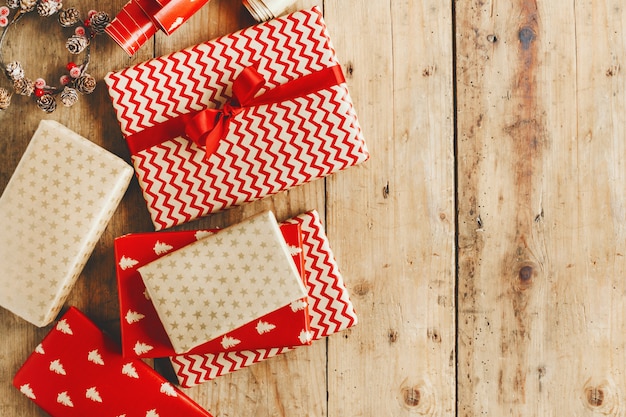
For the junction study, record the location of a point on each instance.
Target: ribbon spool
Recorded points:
(263, 10)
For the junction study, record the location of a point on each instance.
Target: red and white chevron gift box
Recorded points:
(78, 371)
(143, 334)
(330, 309)
(274, 142)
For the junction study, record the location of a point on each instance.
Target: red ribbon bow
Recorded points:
(207, 127)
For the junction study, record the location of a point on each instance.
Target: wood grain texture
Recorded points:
(541, 207)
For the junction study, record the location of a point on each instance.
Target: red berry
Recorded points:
(70, 65)
(87, 23)
(39, 92)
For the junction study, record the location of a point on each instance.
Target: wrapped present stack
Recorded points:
(324, 309)
(216, 125)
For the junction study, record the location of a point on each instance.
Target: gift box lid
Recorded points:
(52, 212)
(221, 282)
(143, 334)
(78, 371)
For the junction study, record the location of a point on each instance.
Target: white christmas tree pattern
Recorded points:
(95, 357)
(152, 413)
(133, 316)
(264, 327)
(64, 327)
(168, 389)
(57, 367)
(129, 370)
(28, 391)
(140, 348)
(201, 234)
(228, 342)
(39, 349)
(146, 295)
(126, 262)
(294, 250)
(305, 336)
(160, 248)
(93, 395)
(298, 305)
(64, 399)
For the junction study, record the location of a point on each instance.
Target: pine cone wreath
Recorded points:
(69, 17)
(47, 103)
(47, 8)
(14, 71)
(85, 84)
(28, 5)
(24, 86)
(76, 44)
(99, 21)
(69, 96)
(13, 4)
(5, 99)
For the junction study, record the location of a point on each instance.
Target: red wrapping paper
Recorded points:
(263, 148)
(78, 371)
(139, 20)
(143, 334)
(330, 309)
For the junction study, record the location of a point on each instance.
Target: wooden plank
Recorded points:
(392, 219)
(541, 207)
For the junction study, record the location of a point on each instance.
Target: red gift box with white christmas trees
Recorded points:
(78, 371)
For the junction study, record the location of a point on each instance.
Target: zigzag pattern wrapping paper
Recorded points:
(267, 148)
(330, 309)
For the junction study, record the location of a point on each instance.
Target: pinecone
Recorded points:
(5, 99)
(47, 103)
(14, 71)
(99, 21)
(13, 4)
(48, 8)
(69, 96)
(85, 84)
(69, 17)
(76, 44)
(24, 87)
(28, 5)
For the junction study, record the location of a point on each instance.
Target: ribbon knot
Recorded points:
(208, 127)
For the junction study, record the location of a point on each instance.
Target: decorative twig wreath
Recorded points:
(76, 80)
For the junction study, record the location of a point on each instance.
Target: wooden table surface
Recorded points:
(483, 244)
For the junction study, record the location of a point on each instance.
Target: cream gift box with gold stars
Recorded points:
(222, 281)
(52, 212)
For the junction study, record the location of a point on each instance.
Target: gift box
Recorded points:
(139, 20)
(52, 212)
(143, 334)
(217, 284)
(330, 309)
(78, 371)
(237, 118)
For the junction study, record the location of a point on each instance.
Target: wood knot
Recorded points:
(526, 36)
(411, 396)
(361, 289)
(526, 274)
(492, 38)
(601, 397)
(392, 335)
(595, 396)
(349, 70)
(433, 334)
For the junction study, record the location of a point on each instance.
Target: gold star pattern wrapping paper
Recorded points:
(53, 210)
(222, 281)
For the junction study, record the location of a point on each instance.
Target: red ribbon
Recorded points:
(207, 127)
